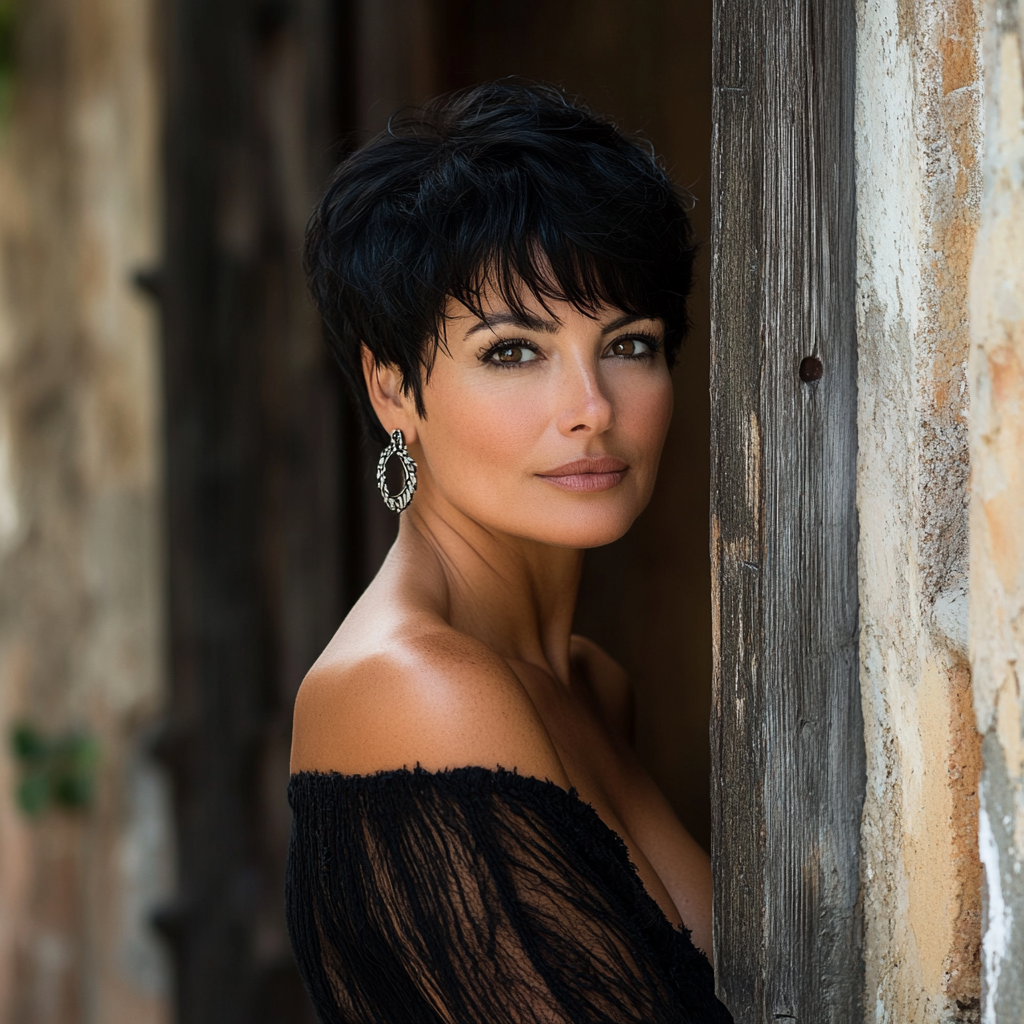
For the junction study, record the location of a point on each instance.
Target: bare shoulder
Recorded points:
(608, 683)
(426, 695)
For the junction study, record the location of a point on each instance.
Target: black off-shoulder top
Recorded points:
(473, 896)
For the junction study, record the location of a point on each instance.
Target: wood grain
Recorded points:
(787, 738)
(255, 503)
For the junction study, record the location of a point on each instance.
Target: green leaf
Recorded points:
(28, 745)
(59, 771)
(33, 794)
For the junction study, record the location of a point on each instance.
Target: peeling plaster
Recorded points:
(997, 512)
(998, 921)
(918, 124)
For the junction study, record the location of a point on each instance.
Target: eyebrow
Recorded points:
(535, 323)
(529, 323)
(623, 321)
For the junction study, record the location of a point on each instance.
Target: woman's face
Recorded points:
(549, 429)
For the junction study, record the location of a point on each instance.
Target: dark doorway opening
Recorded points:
(273, 522)
(647, 64)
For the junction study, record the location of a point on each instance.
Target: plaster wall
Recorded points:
(919, 141)
(79, 537)
(997, 512)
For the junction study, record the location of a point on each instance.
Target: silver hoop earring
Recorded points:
(400, 501)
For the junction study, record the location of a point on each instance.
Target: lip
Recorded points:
(600, 474)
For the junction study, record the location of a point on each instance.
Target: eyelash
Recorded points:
(652, 342)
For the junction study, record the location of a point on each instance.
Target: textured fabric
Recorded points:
(477, 897)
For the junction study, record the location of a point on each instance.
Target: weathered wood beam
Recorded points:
(787, 739)
(256, 509)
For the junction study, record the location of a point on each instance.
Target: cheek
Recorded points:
(484, 443)
(486, 429)
(508, 419)
(643, 412)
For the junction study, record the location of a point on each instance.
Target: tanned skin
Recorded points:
(460, 652)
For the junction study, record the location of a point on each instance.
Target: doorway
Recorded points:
(273, 522)
(647, 64)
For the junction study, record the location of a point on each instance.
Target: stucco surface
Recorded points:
(79, 498)
(918, 195)
(997, 513)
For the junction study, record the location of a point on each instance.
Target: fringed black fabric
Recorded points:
(477, 897)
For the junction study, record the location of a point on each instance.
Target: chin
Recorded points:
(583, 528)
(562, 519)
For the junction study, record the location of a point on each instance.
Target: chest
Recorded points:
(608, 776)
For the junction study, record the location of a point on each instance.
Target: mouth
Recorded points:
(599, 474)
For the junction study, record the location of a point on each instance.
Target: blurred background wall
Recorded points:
(85, 837)
(186, 509)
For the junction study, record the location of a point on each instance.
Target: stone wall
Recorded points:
(997, 511)
(80, 586)
(919, 142)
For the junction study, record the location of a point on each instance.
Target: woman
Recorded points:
(503, 276)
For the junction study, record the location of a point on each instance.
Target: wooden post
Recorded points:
(787, 738)
(254, 475)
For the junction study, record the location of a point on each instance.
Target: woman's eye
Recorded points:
(511, 354)
(630, 347)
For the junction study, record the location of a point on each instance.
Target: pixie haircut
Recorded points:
(505, 185)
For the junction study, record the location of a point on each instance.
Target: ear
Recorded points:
(394, 408)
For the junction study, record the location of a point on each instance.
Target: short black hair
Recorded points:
(508, 184)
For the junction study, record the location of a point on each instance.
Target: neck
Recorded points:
(515, 595)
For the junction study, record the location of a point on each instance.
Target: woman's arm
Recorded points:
(679, 860)
(609, 686)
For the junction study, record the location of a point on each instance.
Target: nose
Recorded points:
(586, 408)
